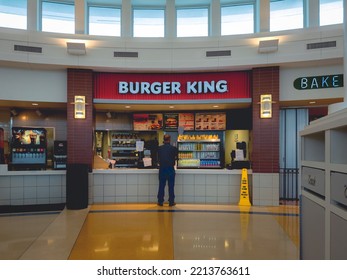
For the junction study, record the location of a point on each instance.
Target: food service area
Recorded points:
(85, 129)
(107, 150)
(122, 165)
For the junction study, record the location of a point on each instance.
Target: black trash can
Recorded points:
(77, 186)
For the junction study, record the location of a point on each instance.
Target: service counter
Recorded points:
(121, 185)
(34, 187)
(212, 186)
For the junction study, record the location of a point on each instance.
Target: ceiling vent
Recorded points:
(31, 49)
(330, 44)
(218, 53)
(126, 54)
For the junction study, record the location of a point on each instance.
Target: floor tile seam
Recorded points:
(193, 211)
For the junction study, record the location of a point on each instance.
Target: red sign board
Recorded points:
(192, 86)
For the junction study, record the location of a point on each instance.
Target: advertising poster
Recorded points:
(144, 122)
(186, 120)
(210, 121)
(171, 121)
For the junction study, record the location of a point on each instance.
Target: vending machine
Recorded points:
(60, 155)
(28, 148)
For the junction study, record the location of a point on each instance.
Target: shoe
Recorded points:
(172, 204)
(160, 204)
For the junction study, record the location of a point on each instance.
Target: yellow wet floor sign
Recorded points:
(244, 193)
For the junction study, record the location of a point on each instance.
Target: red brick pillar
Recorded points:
(80, 131)
(265, 133)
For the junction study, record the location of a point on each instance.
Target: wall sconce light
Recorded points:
(265, 106)
(80, 107)
(268, 46)
(76, 48)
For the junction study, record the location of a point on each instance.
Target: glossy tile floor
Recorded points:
(147, 231)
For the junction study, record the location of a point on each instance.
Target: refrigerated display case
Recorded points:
(199, 152)
(28, 148)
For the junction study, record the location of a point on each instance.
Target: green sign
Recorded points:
(319, 82)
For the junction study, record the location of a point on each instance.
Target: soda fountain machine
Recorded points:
(28, 148)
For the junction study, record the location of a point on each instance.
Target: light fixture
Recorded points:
(265, 106)
(215, 106)
(80, 107)
(268, 46)
(76, 48)
(34, 104)
(127, 107)
(109, 115)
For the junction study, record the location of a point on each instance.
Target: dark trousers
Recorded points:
(166, 174)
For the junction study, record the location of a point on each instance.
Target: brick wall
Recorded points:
(265, 133)
(80, 131)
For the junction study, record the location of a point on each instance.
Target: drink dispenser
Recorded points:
(28, 148)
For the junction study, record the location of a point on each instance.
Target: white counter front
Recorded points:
(34, 187)
(205, 186)
(123, 185)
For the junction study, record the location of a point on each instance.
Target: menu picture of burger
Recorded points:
(171, 121)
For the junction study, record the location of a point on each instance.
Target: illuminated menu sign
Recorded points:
(210, 121)
(171, 121)
(144, 122)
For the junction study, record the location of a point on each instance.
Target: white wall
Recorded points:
(33, 85)
(171, 54)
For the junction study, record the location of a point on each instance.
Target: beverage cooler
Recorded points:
(60, 154)
(28, 148)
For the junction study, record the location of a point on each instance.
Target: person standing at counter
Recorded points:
(167, 155)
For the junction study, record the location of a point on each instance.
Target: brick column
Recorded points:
(80, 131)
(265, 133)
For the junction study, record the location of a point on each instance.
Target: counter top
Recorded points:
(33, 172)
(178, 171)
(5, 172)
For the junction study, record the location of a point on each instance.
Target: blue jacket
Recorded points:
(167, 155)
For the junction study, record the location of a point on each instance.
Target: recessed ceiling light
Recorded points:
(35, 104)
(127, 107)
(215, 106)
(171, 107)
(312, 102)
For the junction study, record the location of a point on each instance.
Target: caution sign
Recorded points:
(244, 193)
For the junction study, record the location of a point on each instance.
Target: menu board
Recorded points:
(171, 121)
(145, 122)
(210, 121)
(186, 120)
